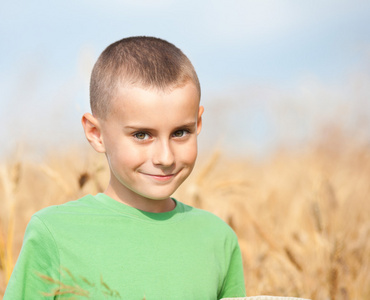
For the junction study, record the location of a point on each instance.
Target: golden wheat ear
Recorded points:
(265, 298)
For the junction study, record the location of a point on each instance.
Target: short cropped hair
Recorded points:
(142, 61)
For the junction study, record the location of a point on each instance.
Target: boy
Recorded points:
(134, 240)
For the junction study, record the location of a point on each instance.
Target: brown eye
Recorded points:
(141, 135)
(179, 133)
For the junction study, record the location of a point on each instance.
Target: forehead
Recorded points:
(135, 102)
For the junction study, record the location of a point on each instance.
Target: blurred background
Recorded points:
(285, 145)
(273, 73)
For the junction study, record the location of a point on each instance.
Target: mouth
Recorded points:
(161, 177)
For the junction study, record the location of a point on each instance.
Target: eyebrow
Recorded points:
(144, 128)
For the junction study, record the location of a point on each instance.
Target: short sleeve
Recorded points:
(234, 285)
(39, 255)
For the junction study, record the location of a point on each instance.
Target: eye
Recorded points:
(141, 136)
(180, 133)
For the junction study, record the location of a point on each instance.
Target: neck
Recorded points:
(137, 201)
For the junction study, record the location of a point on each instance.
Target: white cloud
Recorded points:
(136, 6)
(255, 21)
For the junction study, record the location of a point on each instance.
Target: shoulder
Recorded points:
(83, 204)
(205, 215)
(207, 220)
(60, 217)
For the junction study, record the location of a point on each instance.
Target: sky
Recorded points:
(272, 72)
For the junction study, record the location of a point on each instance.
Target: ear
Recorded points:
(199, 122)
(93, 132)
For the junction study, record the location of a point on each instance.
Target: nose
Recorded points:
(163, 154)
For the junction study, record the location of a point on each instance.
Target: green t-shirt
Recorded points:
(103, 249)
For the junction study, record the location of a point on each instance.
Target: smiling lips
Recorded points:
(160, 177)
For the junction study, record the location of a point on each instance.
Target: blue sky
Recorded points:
(264, 65)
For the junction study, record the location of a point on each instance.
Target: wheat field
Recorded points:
(302, 217)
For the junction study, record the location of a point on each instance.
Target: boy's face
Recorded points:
(150, 141)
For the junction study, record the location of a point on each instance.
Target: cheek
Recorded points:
(188, 154)
(127, 155)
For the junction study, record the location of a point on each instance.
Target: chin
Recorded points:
(159, 196)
